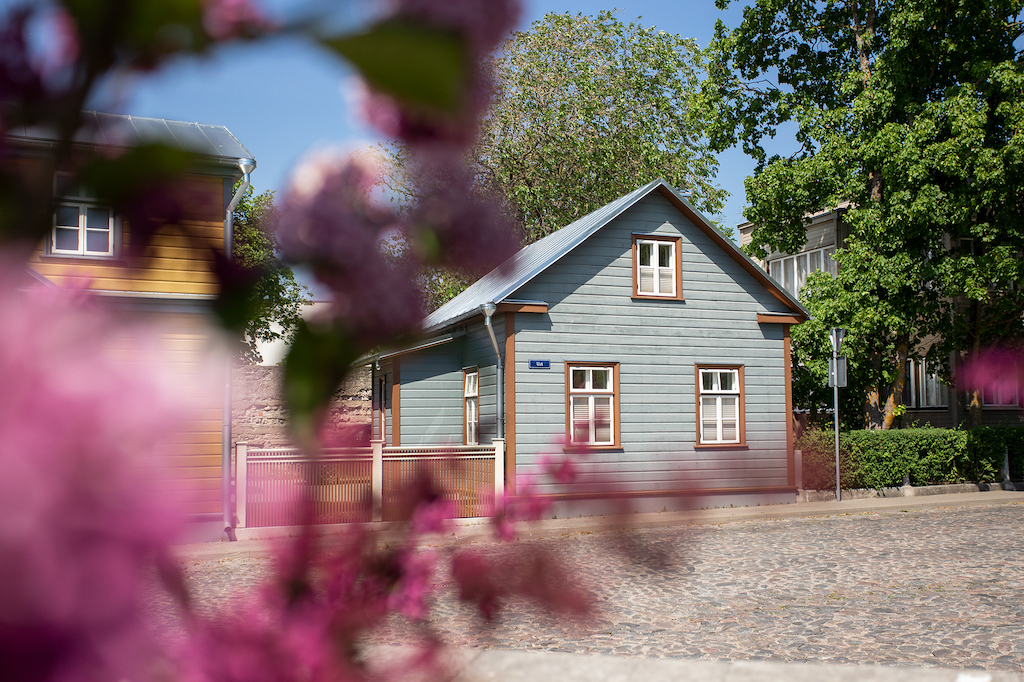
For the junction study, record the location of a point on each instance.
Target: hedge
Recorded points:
(879, 459)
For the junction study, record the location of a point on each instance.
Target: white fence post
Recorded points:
(241, 481)
(499, 471)
(377, 479)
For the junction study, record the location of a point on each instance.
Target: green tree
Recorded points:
(910, 111)
(585, 110)
(276, 298)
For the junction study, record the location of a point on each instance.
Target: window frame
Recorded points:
(677, 255)
(741, 443)
(616, 425)
(825, 256)
(70, 194)
(916, 386)
(466, 397)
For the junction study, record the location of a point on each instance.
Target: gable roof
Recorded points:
(533, 259)
(121, 130)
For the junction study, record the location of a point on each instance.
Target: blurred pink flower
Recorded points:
(265, 640)
(430, 516)
(483, 24)
(452, 223)
(19, 80)
(996, 371)
(409, 595)
(83, 520)
(224, 19)
(330, 221)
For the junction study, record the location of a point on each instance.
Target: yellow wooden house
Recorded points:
(170, 286)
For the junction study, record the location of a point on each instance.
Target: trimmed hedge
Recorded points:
(880, 459)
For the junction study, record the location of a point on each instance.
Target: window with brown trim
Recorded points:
(471, 406)
(720, 419)
(592, 404)
(657, 270)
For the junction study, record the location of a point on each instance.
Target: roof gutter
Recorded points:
(247, 166)
(499, 384)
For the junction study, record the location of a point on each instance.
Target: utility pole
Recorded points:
(837, 379)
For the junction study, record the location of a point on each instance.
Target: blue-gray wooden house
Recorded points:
(638, 331)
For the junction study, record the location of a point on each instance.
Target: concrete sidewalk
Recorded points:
(478, 530)
(483, 665)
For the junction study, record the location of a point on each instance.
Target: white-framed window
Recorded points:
(791, 271)
(720, 405)
(81, 227)
(656, 268)
(924, 388)
(591, 404)
(471, 401)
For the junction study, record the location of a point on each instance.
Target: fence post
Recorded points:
(241, 481)
(377, 479)
(499, 471)
(798, 465)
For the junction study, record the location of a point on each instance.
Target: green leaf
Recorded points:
(316, 364)
(414, 63)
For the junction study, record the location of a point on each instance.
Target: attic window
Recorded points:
(656, 267)
(81, 227)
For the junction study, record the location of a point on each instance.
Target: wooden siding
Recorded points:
(178, 260)
(193, 452)
(656, 343)
(478, 352)
(431, 396)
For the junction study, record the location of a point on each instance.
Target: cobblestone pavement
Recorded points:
(939, 587)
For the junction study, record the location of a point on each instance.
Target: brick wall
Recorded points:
(259, 416)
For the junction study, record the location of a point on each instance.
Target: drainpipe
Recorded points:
(499, 399)
(246, 166)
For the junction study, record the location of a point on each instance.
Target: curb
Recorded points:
(478, 530)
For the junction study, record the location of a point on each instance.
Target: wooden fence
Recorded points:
(362, 484)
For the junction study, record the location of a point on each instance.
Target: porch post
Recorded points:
(241, 481)
(377, 479)
(499, 471)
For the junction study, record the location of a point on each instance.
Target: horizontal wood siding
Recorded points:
(177, 261)
(431, 395)
(591, 317)
(193, 451)
(479, 352)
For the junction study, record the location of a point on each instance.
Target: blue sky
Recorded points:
(287, 97)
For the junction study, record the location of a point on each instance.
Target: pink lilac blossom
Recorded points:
(329, 221)
(82, 516)
(482, 26)
(225, 19)
(997, 371)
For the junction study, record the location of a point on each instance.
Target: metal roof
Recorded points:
(531, 260)
(121, 130)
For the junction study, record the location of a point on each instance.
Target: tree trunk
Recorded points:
(896, 390)
(872, 398)
(974, 396)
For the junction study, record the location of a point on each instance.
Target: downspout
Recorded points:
(246, 166)
(499, 398)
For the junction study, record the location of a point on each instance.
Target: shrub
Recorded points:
(879, 459)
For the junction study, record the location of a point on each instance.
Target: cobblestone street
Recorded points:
(937, 587)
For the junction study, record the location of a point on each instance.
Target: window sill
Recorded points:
(720, 446)
(591, 448)
(645, 297)
(72, 258)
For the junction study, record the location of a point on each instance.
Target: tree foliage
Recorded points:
(276, 298)
(585, 110)
(588, 109)
(911, 112)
